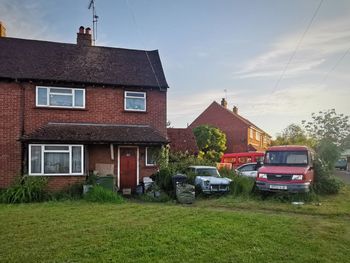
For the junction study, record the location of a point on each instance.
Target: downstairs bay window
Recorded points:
(56, 159)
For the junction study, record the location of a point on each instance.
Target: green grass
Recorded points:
(211, 230)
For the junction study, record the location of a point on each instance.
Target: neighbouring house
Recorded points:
(182, 140)
(241, 134)
(69, 109)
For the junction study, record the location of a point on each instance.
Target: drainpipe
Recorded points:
(22, 120)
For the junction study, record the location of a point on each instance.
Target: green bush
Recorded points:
(101, 195)
(242, 186)
(71, 192)
(163, 179)
(325, 181)
(26, 189)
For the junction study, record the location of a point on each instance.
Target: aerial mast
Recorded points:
(94, 21)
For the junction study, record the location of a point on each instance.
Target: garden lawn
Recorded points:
(79, 231)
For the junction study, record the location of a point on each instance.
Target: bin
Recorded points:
(178, 178)
(106, 182)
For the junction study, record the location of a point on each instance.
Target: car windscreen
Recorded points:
(207, 172)
(288, 158)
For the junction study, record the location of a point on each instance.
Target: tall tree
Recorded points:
(211, 142)
(294, 134)
(328, 125)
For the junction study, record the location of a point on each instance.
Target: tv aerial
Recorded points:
(94, 20)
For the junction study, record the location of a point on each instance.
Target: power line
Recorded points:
(297, 46)
(335, 65)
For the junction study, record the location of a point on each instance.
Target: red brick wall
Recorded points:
(10, 128)
(234, 128)
(57, 183)
(103, 105)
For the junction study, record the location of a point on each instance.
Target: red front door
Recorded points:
(128, 168)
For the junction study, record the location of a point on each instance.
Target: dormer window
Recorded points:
(135, 101)
(60, 97)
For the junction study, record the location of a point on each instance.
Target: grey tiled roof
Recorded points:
(23, 59)
(95, 133)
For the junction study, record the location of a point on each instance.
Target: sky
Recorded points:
(211, 49)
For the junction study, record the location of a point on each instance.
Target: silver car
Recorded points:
(248, 169)
(208, 179)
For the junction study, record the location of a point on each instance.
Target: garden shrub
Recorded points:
(325, 181)
(99, 194)
(71, 192)
(26, 189)
(242, 186)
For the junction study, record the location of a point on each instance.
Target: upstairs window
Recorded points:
(257, 136)
(135, 101)
(251, 133)
(60, 97)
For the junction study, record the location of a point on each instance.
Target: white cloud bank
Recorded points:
(322, 41)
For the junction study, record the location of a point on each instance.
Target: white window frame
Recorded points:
(146, 159)
(257, 136)
(251, 133)
(43, 151)
(131, 97)
(48, 97)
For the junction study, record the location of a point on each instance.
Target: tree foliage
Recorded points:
(294, 135)
(211, 142)
(328, 125)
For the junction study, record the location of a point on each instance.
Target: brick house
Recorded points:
(182, 140)
(241, 134)
(69, 109)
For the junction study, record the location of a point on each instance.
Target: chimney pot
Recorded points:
(81, 30)
(84, 39)
(235, 109)
(2, 30)
(224, 103)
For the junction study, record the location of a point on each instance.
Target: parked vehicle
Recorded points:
(237, 159)
(208, 179)
(286, 168)
(341, 164)
(248, 169)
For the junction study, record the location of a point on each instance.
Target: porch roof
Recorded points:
(95, 134)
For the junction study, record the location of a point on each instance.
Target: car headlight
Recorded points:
(264, 176)
(206, 182)
(297, 177)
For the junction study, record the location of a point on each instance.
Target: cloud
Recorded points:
(320, 43)
(25, 19)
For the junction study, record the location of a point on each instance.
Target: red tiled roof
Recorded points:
(182, 140)
(241, 118)
(23, 59)
(96, 133)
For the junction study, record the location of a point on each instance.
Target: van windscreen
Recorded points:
(288, 158)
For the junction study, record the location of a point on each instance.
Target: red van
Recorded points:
(237, 159)
(286, 168)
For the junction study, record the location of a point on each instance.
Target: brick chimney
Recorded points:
(224, 103)
(235, 109)
(2, 30)
(84, 38)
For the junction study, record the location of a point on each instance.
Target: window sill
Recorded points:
(59, 175)
(134, 111)
(60, 108)
(150, 166)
